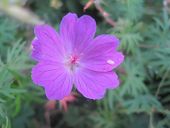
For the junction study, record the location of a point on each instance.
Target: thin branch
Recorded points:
(151, 119)
(105, 14)
(88, 4)
(161, 83)
(151, 114)
(148, 46)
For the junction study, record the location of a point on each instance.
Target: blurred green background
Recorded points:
(141, 101)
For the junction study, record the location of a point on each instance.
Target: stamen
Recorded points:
(73, 59)
(72, 62)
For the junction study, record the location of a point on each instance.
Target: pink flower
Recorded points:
(74, 56)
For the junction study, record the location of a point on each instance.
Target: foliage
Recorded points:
(7, 34)
(143, 97)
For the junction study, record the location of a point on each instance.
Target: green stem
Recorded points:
(151, 120)
(161, 83)
(151, 116)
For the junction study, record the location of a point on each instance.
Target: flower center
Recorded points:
(72, 62)
(73, 59)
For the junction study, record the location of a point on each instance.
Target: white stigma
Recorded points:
(110, 62)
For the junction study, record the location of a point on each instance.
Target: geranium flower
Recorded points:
(74, 57)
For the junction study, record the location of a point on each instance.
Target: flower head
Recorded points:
(75, 56)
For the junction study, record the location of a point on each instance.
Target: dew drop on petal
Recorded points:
(110, 62)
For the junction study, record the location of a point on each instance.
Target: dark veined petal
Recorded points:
(67, 30)
(85, 31)
(94, 84)
(76, 32)
(52, 76)
(46, 45)
(67, 26)
(101, 55)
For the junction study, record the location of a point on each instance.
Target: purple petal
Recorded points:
(101, 55)
(67, 26)
(52, 76)
(94, 84)
(46, 45)
(36, 51)
(67, 30)
(76, 32)
(85, 31)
